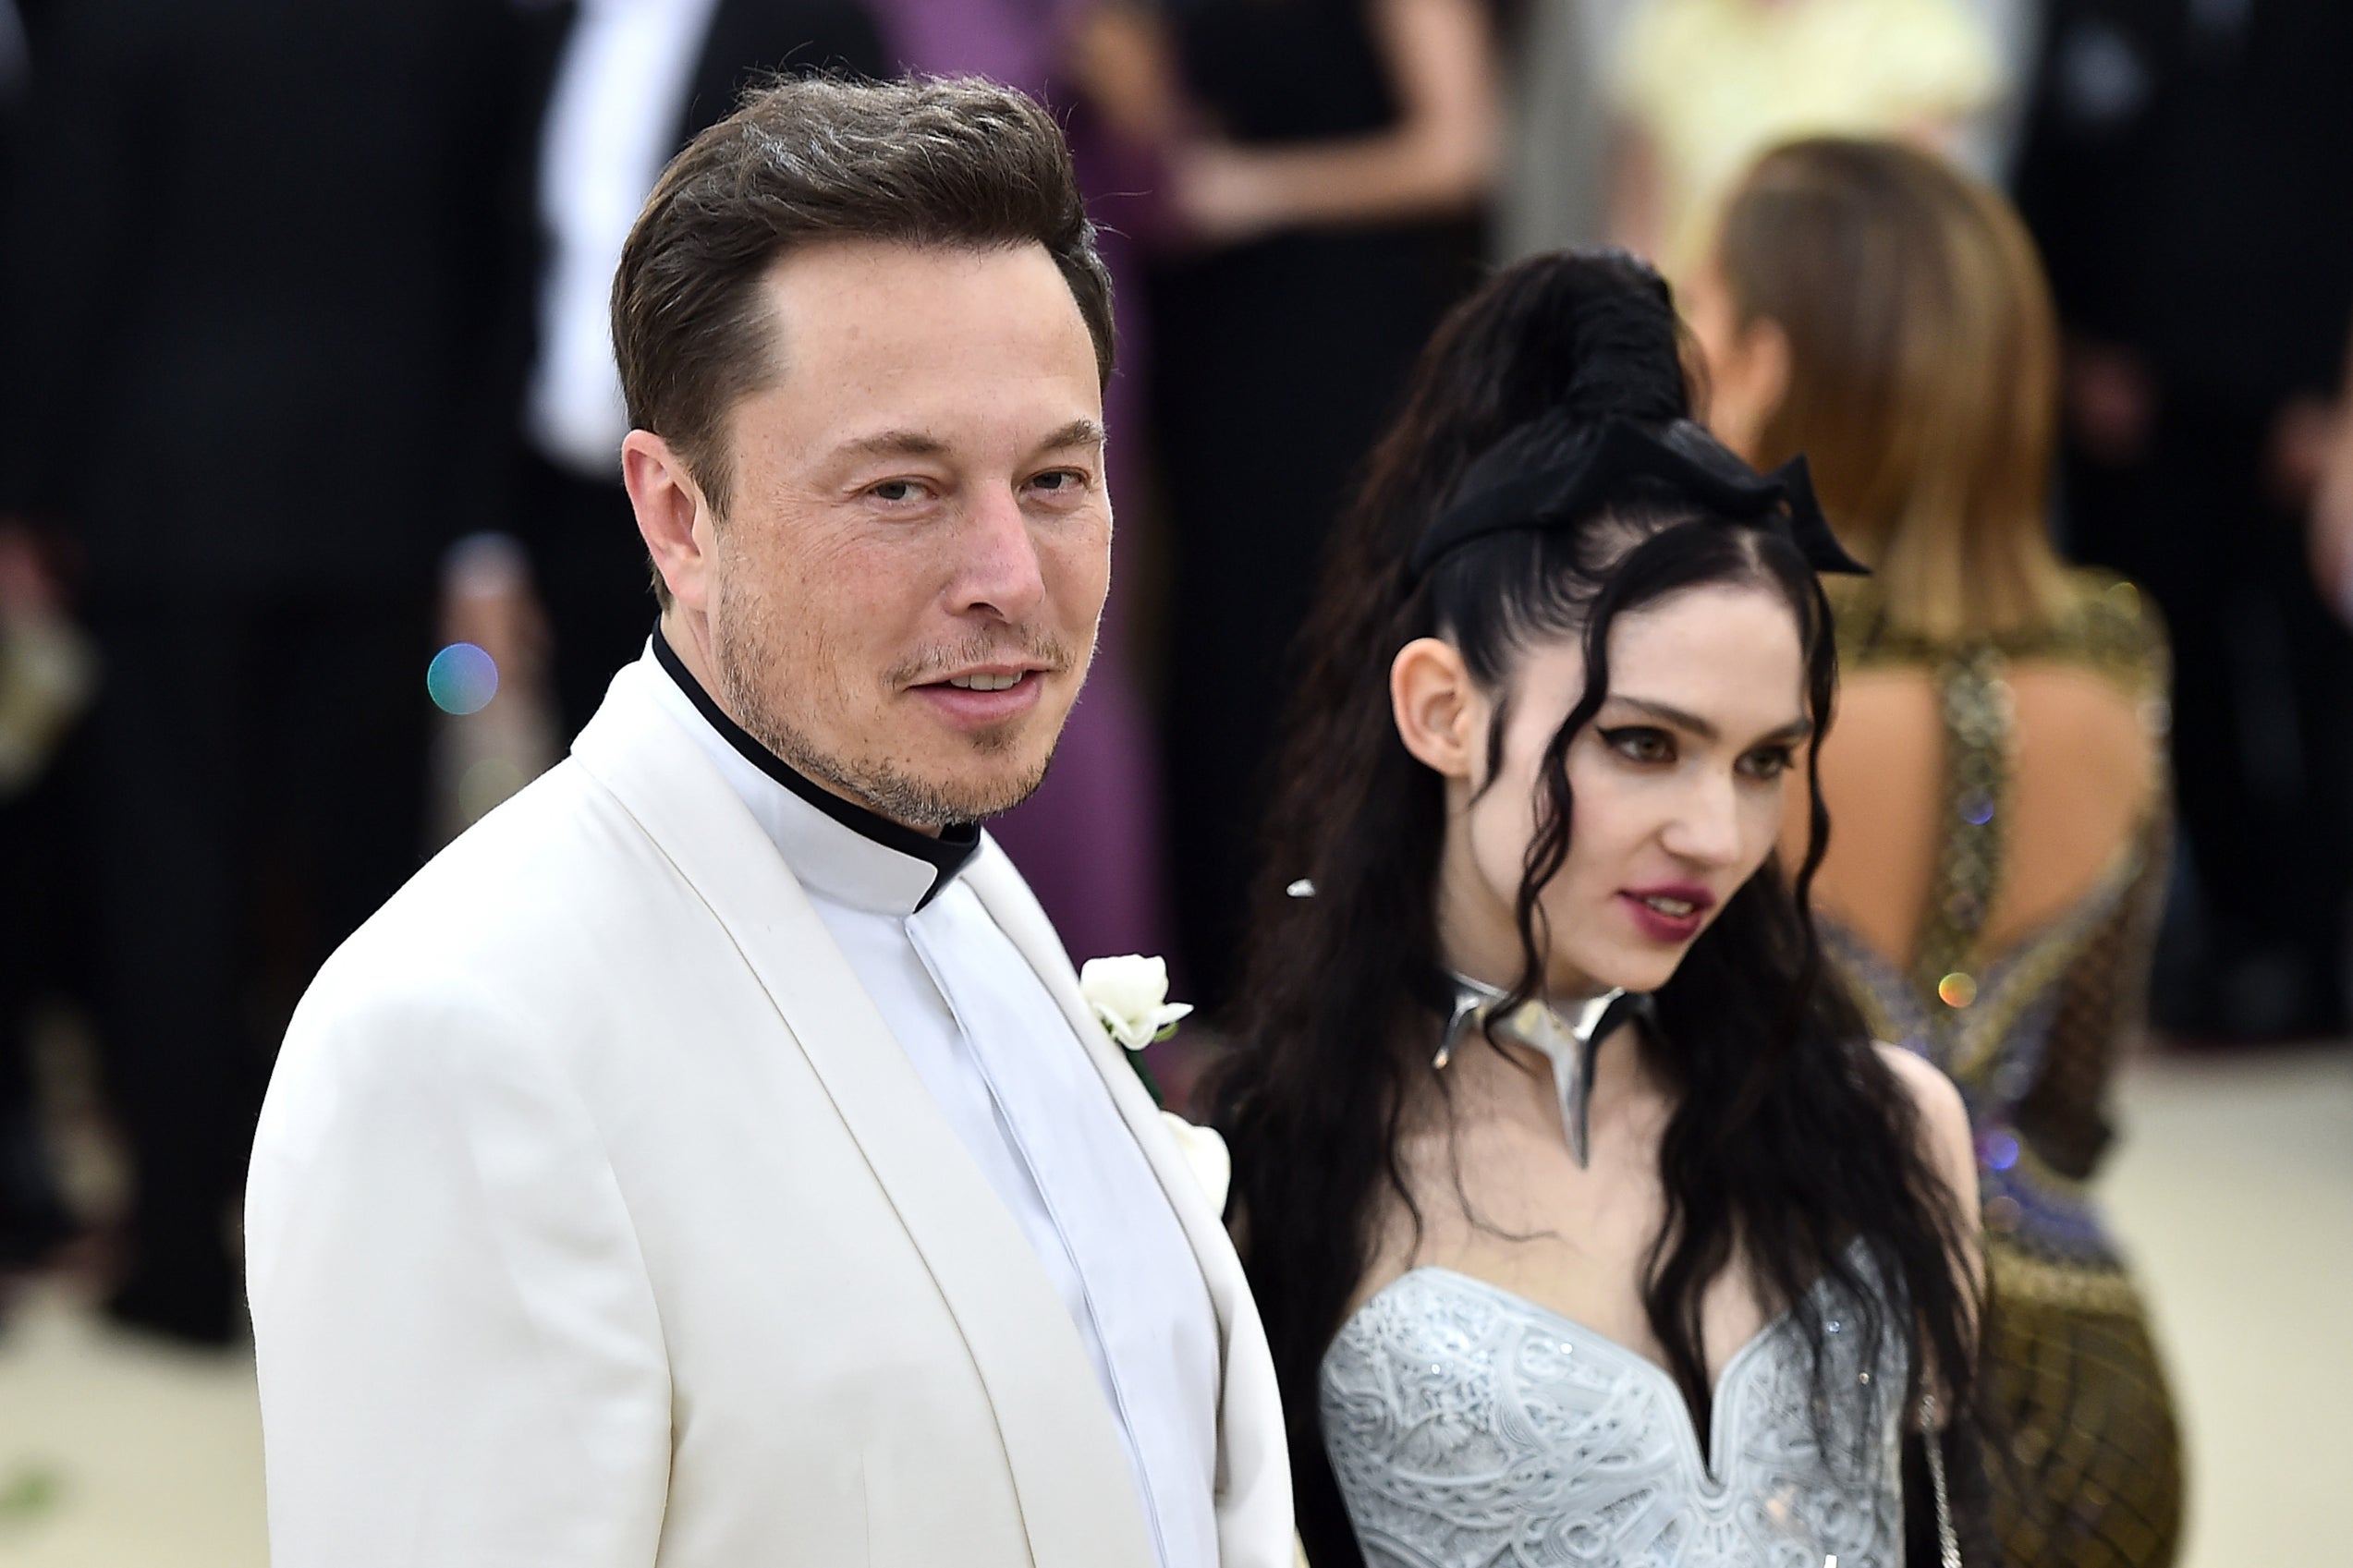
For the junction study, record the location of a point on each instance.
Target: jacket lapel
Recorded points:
(1253, 1464)
(1077, 1497)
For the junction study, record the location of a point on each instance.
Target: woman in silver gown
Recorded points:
(1587, 1225)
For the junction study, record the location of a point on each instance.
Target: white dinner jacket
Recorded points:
(596, 1220)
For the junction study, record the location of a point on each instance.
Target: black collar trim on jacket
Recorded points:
(946, 855)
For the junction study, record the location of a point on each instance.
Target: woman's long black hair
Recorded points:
(1791, 1141)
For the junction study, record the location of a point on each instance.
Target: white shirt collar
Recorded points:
(839, 850)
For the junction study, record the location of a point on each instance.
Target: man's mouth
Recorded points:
(978, 700)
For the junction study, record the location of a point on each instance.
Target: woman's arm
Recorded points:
(1439, 157)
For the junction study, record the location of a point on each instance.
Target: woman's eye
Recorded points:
(1640, 743)
(1769, 763)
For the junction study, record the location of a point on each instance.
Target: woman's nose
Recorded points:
(1705, 828)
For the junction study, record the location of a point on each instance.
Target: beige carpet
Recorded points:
(116, 1452)
(2234, 1191)
(2234, 1187)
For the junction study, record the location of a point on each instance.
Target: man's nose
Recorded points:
(1705, 829)
(998, 569)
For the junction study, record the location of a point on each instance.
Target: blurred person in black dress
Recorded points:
(46, 673)
(2185, 172)
(1325, 164)
(634, 81)
(250, 294)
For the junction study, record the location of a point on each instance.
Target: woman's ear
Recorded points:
(1440, 715)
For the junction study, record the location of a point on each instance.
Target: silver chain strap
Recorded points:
(1948, 1540)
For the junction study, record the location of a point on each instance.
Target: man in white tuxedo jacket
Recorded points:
(709, 1160)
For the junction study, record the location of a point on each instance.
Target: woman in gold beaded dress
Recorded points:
(1996, 776)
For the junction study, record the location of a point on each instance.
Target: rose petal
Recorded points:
(1205, 1155)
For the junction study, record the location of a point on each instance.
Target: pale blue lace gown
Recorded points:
(1469, 1426)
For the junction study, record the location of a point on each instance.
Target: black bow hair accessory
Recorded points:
(1623, 453)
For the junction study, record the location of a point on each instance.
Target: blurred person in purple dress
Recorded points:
(2332, 519)
(1090, 840)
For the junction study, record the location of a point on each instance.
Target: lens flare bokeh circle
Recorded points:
(461, 679)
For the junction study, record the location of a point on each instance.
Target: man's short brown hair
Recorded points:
(955, 163)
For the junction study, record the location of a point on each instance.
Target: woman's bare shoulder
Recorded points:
(1943, 1123)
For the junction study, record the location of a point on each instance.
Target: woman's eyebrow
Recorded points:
(1796, 730)
(1666, 712)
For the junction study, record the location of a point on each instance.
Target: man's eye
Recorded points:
(1060, 482)
(898, 491)
(1640, 743)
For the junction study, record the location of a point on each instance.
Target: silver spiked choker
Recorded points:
(1569, 1044)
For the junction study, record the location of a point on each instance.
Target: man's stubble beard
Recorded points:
(743, 643)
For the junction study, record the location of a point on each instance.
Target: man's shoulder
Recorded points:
(564, 829)
(512, 909)
(498, 962)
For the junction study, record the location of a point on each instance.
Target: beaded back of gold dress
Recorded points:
(2089, 1471)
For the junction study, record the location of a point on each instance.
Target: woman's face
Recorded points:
(1677, 787)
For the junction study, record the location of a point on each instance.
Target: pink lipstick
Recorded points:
(1670, 913)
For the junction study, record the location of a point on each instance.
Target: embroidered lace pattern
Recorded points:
(1469, 1427)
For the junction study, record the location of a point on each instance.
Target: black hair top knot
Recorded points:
(1614, 334)
(1593, 465)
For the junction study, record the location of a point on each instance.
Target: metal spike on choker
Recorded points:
(1569, 1043)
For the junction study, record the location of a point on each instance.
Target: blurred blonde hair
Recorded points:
(1923, 374)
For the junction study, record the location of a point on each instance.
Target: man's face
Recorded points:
(903, 594)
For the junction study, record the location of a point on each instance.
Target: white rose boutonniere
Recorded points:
(1130, 996)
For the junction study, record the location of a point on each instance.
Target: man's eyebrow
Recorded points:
(893, 443)
(921, 444)
(1796, 729)
(1077, 433)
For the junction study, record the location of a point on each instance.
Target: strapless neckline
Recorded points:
(1469, 1425)
(1708, 1456)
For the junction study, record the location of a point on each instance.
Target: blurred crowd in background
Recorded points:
(313, 545)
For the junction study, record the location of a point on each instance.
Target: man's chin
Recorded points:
(982, 795)
(942, 796)
(983, 772)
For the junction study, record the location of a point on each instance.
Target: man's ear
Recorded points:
(673, 517)
(1440, 714)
